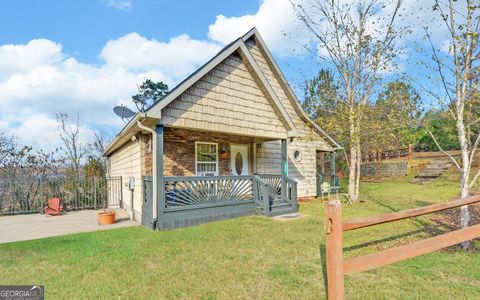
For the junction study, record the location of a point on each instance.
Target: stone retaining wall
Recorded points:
(384, 169)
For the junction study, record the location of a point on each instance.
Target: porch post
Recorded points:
(332, 168)
(159, 175)
(324, 156)
(284, 168)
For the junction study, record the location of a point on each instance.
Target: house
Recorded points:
(230, 140)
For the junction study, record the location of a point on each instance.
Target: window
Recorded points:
(206, 159)
(297, 155)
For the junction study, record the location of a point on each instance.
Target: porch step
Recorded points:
(280, 207)
(280, 204)
(288, 209)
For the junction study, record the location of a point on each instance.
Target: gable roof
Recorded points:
(254, 33)
(238, 45)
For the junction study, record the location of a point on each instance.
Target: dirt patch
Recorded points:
(288, 217)
(448, 220)
(306, 199)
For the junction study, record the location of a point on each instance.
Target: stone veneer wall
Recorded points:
(179, 150)
(384, 169)
(147, 157)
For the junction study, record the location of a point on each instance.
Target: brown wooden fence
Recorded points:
(407, 152)
(379, 155)
(337, 267)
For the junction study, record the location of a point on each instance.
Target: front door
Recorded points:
(239, 159)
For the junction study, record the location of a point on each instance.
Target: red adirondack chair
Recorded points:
(53, 207)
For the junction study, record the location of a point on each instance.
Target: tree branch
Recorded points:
(443, 151)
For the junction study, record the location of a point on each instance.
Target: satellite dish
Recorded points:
(123, 112)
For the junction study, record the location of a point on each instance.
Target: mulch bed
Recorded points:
(448, 220)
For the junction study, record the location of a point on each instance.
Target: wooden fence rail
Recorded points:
(337, 267)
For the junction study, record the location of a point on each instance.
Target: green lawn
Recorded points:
(251, 257)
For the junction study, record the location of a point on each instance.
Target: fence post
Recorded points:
(409, 151)
(94, 192)
(121, 191)
(41, 195)
(334, 250)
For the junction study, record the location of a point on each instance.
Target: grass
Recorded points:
(251, 257)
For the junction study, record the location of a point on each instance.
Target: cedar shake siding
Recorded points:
(238, 97)
(228, 99)
(268, 156)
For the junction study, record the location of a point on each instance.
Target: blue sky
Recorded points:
(84, 26)
(84, 57)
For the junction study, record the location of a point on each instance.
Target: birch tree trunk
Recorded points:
(464, 172)
(457, 78)
(354, 159)
(352, 175)
(357, 51)
(357, 175)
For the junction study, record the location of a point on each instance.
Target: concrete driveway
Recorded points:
(31, 227)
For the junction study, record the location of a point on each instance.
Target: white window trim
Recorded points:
(197, 162)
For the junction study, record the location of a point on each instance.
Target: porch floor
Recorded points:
(36, 226)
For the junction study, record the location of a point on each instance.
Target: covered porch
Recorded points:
(326, 171)
(199, 176)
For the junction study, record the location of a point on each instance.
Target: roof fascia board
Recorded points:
(157, 107)
(254, 32)
(132, 123)
(293, 131)
(129, 127)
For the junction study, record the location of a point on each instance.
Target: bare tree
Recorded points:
(99, 142)
(6, 146)
(357, 39)
(458, 74)
(22, 171)
(70, 135)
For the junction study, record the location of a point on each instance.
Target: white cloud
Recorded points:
(285, 34)
(120, 4)
(39, 80)
(175, 57)
(20, 58)
(41, 132)
(276, 22)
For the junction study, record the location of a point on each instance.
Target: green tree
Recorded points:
(321, 95)
(321, 102)
(357, 52)
(442, 126)
(94, 167)
(393, 120)
(458, 74)
(149, 93)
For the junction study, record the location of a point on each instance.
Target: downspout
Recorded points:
(154, 158)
